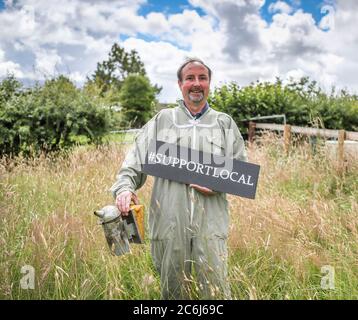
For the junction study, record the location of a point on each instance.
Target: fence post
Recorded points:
(287, 138)
(252, 128)
(340, 151)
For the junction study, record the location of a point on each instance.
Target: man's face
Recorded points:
(195, 83)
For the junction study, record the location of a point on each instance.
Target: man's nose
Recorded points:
(196, 82)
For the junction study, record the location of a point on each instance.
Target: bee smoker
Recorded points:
(121, 230)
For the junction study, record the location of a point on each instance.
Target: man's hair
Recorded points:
(191, 60)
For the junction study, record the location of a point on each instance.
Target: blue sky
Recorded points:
(242, 40)
(310, 6)
(167, 7)
(177, 6)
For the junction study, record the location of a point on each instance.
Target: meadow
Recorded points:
(303, 221)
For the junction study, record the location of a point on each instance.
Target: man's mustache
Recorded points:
(196, 90)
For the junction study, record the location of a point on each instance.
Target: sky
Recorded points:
(241, 40)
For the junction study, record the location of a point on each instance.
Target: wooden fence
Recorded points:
(340, 135)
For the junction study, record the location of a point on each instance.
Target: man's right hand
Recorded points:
(123, 201)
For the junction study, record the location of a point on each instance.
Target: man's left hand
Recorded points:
(203, 190)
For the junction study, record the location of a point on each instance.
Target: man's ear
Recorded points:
(179, 84)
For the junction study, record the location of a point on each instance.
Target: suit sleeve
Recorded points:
(130, 177)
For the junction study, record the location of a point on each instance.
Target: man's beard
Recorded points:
(198, 97)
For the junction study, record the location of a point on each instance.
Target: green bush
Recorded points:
(302, 102)
(49, 118)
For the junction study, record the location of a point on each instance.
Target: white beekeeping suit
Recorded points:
(187, 228)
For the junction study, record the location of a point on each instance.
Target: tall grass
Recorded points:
(304, 217)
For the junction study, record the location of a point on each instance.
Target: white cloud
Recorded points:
(46, 37)
(280, 6)
(9, 67)
(47, 62)
(161, 60)
(17, 23)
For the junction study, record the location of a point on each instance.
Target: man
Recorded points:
(188, 224)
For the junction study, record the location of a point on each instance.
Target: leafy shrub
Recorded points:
(302, 102)
(49, 118)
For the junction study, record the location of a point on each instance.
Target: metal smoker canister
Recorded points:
(120, 230)
(114, 231)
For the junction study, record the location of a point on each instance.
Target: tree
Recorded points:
(113, 71)
(8, 87)
(105, 85)
(137, 98)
